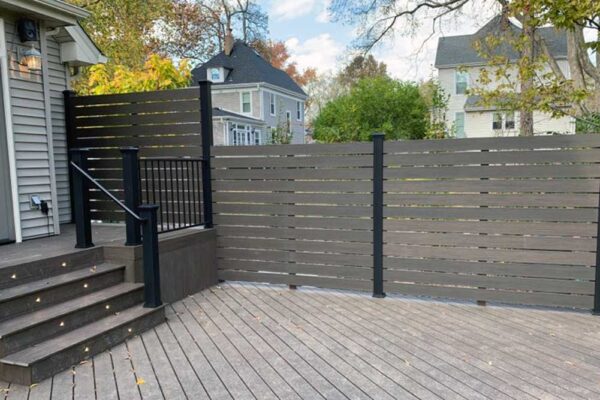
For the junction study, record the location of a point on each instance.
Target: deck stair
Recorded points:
(78, 306)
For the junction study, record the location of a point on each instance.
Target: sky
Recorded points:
(315, 41)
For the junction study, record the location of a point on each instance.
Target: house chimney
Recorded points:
(228, 42)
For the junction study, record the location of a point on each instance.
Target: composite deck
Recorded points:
(247, 341)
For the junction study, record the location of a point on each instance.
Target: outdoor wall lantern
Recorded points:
(29, 57)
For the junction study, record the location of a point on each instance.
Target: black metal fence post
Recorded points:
(152, 296)
(207, 141)
(131, 185)
(81, 201)
(378, 139)
(596, 310)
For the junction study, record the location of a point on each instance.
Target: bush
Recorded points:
(373, 105)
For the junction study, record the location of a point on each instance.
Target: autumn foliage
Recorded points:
(276, 53)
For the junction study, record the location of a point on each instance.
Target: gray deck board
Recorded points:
(259, 341)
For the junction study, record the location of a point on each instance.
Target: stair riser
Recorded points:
(59, 294)
(69, 357)
(52, 327)
(35, 270)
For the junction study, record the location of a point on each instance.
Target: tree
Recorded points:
(539, 89)
(123, 28)
(374, 105)
(437, 102)
(362, 67)
(157, 74)
(277, 54)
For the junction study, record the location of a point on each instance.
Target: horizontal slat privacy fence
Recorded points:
(509, 220)
(294, 214)
(502, 219)
(163, 124)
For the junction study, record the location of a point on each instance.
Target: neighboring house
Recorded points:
(459, 66)
(252, 99)
(41, 47)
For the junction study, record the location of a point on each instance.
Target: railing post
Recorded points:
(68, 97)
(596, 310)
(131, 185)
(152, 296)
(378, 139)
(81, 201)
(207, 141)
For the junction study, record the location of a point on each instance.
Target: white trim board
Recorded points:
(10, 141)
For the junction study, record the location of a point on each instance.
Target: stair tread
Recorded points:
(60, 343)
(69, 277)
(25, 321)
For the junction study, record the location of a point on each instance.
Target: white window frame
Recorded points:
(244, 135)
(514, 120)
(299, 111)
(272, 104)
(458, 73)
(242, 102)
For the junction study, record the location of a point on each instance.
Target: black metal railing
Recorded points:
(176, 186)
(146, 217)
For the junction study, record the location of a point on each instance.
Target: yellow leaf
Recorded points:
(140, 381)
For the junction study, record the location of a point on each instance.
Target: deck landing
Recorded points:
(248, 341)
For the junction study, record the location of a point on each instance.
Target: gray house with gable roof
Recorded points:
(252, 99)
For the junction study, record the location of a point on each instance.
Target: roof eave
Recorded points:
(481, 64)
(56, 11)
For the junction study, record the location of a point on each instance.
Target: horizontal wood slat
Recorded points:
(139, 97)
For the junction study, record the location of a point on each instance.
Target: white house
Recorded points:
(251, 98)
(459, 66)
(41, 47)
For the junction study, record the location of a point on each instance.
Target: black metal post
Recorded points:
(131, 185)
(378, 139)
(81, 201)
(596, 310)
(207, 142)
(152, 297)
(68, 97)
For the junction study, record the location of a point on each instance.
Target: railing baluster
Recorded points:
(160, 196)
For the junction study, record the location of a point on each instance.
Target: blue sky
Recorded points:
(315, 41)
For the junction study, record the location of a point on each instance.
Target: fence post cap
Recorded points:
(377, 134)
(129, 149)
(202, 82)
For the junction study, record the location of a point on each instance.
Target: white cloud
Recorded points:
(324, 16)
(290, 9)
(320, 52)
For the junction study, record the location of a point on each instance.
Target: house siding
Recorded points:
(58, 83)
(479, 124)
(30, 139)
(282, 105)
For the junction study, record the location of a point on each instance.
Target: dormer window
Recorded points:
(216, 75)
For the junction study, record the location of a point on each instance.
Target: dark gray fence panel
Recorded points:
(498, 219)
(162, 124)
(295, 214)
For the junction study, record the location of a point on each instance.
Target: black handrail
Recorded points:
(107, 192)
(148, 221)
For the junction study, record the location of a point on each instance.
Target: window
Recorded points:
(503, 121)
(272, 103)
(299, 111)
(462, 82)
(246, 102)
(497, 121)
(215, 74)
(288, 121)
(509, 122)
(244, 135)
(459, 124)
